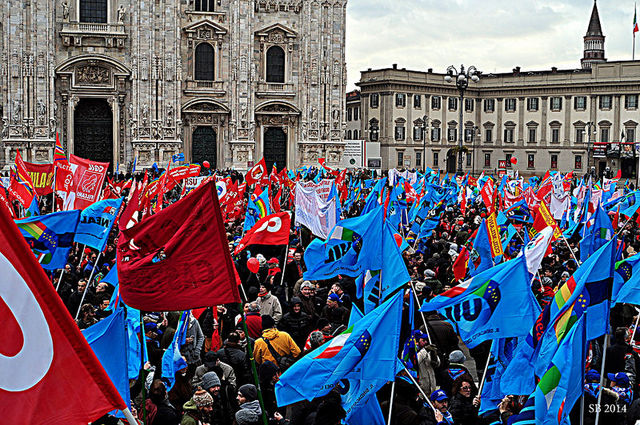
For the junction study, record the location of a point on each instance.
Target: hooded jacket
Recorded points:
(281, 342)
(249, 413)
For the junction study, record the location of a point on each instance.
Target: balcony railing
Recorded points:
(205, 85)
(92, 28)
(276, 89)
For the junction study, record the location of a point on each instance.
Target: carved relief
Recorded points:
(42, 112)
(5, 128)
(170, 115)
(42, 155)
(145, 156)
(15, 113)
(65, 11)
(145, 115)
(91, 74)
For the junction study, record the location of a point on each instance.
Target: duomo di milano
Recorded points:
(228, 81)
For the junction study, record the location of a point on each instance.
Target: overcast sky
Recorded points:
(493, 35)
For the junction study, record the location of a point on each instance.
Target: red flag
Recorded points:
(88, 177)
(178, 259)
(460, 265)
(270, 230)
(48, 372)
(41, 177)
(21, 186)
(255, 174)
(488, 194)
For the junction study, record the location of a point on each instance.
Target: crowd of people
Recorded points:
(283, 317)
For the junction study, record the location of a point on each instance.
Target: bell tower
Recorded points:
(593, 41)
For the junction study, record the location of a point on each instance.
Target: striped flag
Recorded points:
(635, 21)
(58, 153)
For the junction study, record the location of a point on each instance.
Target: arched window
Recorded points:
(275, 65)
(204, 62)
(348, 134)
(94, 11)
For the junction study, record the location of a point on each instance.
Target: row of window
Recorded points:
(353, 114)
(531, 160)
(205, 63)
(533, 103)
(509, 132)
(351, 135)
(95, 11)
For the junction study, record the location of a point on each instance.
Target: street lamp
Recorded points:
(462, 82)
(590, 125)
(425, 133)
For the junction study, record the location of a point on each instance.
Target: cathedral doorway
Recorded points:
(204, 146)
(275, 147)
(93, 130)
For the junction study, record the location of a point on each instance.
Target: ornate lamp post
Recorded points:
(462, 78)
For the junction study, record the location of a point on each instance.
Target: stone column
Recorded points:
(115, 122)
(499, 111)
(567, 120)
(443, 125)
(521, 120)
(543, 120)
(71, 108)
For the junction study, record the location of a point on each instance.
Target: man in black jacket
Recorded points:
(161, 412)
(296, 322)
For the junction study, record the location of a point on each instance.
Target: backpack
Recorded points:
(283, 362)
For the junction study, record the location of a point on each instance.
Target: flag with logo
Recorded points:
(256, 209)
(255, 174)
(49, 374)
(597, 231)
(497, 303)
(270, 230)
(96, 221)
(50, 236)
(88, 177)
(21, 186)
(367, 350)
(178, 157)
(353, 246)
(626, 281)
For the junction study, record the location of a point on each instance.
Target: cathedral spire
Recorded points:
(593, 41)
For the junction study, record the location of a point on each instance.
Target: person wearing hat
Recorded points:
(619, 388)
(222, 411)
(421, 357)
(250, 411)
(274, 345)
(296, 322)
(212, 363)
(244, 339)
(269, 305)
(455, 371)
(441, 415)
(253, 318)
(234, 355)
(197, 411)
(307, 297)
(334, 312)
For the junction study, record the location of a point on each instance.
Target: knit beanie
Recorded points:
(201, 398)
(249, 392)
(210, 379)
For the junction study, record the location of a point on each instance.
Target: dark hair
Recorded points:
(457, 384)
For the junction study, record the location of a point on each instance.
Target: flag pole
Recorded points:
(420, 389)
(254, 371)
(486, 367)
(143, 343)
(59, 280)
(426, 328)
(87, 286)
(604, 359)
(393, 389)
(284, 265)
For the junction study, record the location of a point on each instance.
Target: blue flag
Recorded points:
(597, 232)
(626, 281)
(497, 303)
(172, 360)
(366, 351)
(480, 258)
(178, 157)
(561, 384)
(256, 209)
(108, 341)
(96, 221)
(502, 350)
(359, 397)
(34, 209)
(50, 236)
(353, 246)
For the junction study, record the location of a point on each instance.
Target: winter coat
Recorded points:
(191, 351)
(281, 342)
(297, 325)
(463, 410)
(224, 371)
(249, 413)
(270, 306)
(337, 316)
(190, 414)
(427, 361)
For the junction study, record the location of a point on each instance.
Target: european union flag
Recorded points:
(50, 236)
(626, 281)
(497, 303)
(366, 351)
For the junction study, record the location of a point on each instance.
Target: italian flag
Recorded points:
(635, 21)
(341, 233)
(335, 345)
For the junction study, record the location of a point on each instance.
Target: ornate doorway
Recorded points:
(275, 147)
(451, 161)
(93, 130)
(204, 146)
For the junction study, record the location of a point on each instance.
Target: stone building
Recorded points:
(228, 81)
(555, 119)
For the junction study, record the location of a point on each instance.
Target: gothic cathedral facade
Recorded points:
(226, 81)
